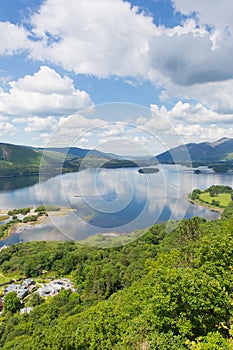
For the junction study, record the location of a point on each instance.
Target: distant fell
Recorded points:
(19, 154)
(206, 152)
(80, 152)
(18, 160)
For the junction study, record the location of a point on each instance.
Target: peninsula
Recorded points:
(18, 220)
(216, 197)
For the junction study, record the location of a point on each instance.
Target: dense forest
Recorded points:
(163, 291)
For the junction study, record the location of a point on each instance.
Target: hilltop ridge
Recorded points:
(218, 151)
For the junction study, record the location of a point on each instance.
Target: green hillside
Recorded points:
(218, 154)
(22, 160)
(165, 291)
(20, 155)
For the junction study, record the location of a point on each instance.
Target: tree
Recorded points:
(195, 194)
(35, 299)
(12, 303)
(216, 203)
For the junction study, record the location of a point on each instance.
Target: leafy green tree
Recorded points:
(11, 302)
(35, 299)
(195, 194)
(213, 341)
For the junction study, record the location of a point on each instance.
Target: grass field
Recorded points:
(4, 217)
(3, 278)
(223, 198)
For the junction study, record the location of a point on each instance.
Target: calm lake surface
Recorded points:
(108, 200)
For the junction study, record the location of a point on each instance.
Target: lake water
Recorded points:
(108, 200)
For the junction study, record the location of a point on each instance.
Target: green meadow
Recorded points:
(223, 198)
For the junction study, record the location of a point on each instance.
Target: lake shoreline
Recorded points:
(21, 226)
(204, 205)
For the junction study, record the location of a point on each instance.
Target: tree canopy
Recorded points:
(164, 291)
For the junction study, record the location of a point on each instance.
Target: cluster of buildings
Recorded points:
(22, 289)
(29, 285)
(54, 287)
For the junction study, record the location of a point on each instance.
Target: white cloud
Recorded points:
(188, 123)
(199, 133)
(14, 39)
(93, 37)
(197, 113)
(217, 16)
(214, 13)
(7, 128)
(216, 95)
(44, 93)
(83, 140)
(20, 120)
(189, 26)
(107, 38)
(192, 60)
(151, 133)
(46, 81)
(41, 124)
(73, 130)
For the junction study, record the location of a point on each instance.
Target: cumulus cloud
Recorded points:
(44, 93)
(188, 59)
(93, 37)
(73, 130)
(197, 113)
(216, 95)
(149, 132)
(214, 13)
(14, 39)
(7, 128)
(107, 38)
(188, 123)
(41, 124)
(103, 38)
(46, 81)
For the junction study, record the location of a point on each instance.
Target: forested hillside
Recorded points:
(217, 155)
(22, 160)
(164, 291)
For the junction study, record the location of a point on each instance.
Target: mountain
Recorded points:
(204, 152)
(18, 160)
(81, 152)
(22, 155)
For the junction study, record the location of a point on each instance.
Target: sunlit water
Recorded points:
(108, 200)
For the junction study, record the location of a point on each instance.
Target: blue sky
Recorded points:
(64, 64)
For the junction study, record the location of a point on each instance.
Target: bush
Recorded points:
(23, 211)
(215, 203)
(31, 218)
(195, 194)
(43, 208)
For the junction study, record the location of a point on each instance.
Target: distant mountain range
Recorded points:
(81, 152)
(18, 160)
(204, 152)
